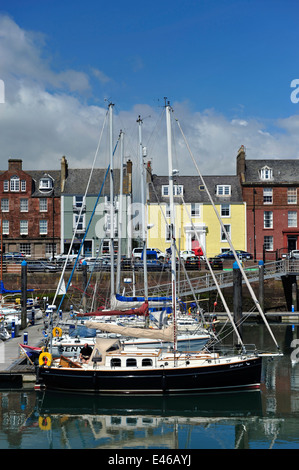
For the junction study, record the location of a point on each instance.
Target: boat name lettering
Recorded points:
(236, 365)
(69, 348)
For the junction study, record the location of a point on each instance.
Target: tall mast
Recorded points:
(111, 202)
(172, 222)
(144, 221)
(120, 211)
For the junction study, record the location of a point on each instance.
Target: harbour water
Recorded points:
(266, 419)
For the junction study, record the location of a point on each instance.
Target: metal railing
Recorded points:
(205, 282)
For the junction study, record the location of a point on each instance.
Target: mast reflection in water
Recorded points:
(246, 420)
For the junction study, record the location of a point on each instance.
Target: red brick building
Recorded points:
(30, 210)
(270, 190)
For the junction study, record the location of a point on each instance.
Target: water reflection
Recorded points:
(245, 420)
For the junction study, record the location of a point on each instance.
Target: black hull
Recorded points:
(239, 375)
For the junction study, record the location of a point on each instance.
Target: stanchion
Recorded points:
(13, 329)
(25, 338)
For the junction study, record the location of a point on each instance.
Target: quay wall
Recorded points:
(44, 285)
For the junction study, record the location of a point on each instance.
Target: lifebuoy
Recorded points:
(45, 359)
(57, 332)
(44, 423)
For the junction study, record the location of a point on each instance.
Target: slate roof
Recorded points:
(284, 171)
(192, 193)
(77, 180)
(37, 175)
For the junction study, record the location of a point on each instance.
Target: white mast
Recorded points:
(144, 221)
(120, 211)
(172, 222)
(111, 203)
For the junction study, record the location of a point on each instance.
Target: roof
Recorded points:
(192, 193)
(36, 175)
(284, 171)
(77, 181)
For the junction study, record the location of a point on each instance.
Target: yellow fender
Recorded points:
(44, 423)
(57, 332)
(45, 359)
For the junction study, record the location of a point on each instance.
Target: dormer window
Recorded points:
(178, 190)
(266, 173)
(223, 190)
(46, 183)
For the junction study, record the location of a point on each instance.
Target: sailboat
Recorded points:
(117, 369)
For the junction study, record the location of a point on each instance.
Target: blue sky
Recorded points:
(226, 67)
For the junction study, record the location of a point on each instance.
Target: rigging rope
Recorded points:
(229, 241)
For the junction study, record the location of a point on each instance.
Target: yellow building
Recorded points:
(194, 214)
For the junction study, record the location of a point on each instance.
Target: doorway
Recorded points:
(292, 242)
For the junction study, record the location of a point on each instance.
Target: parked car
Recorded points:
(193, 262)
(185, 254)
(41, 266)
(215, 263)
(13, 256)
(137, 252)
(230, 255)
(294, 254)
(160, 253)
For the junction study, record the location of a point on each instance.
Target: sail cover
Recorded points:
(121, 302)
(143, 310)
(166, 334)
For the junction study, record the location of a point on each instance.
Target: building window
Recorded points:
(266, 173)
(79, 222)
(5, 205)
(50, 247)
(225, 210)
(43, 204)
(46, 183)
(25, 248)
(195, 209)
(5, 185)
(15, 183)
(223, 237)
(167, 233)
(167, 210)
(79, 202)
(43, 227)
(268, 195)
(23, 227)
(5, 227)
(165, 190)
(292, 195)
(223, 189)
(23, 185)
(24, 205)
(268, 219)
(268, 243)
(178, 190)
(292, 219)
